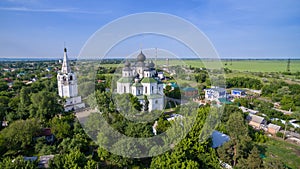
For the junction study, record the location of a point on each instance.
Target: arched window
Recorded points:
(124, 89)
(152, 89)
(146, 89)
(71, 77)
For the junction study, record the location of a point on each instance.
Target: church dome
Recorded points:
(126, 64)
(147, 66)
(151, 64)
(141, 57)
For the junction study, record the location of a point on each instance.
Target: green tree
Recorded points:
(19, 162)
(254, 161)
(3, 86)
(239, 144)
(75, 160)
(19, 135)
(44, 105)
(4, 101)
(60, 128)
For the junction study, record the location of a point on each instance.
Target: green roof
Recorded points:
(148, 80)
(125, 80)
(152, 96)
(137, 85)
(224, 100)
(187, 89)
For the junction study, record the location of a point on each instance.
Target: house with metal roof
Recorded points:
(273, 128)
(256, 122)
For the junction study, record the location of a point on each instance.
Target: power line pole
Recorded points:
(155, 57)
(288, 65)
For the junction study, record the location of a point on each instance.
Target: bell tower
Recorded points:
(67, 86)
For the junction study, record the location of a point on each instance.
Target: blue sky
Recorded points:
(237, 28)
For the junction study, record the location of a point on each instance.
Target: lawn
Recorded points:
(284, 151)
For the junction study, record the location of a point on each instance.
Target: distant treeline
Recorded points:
(244, 82)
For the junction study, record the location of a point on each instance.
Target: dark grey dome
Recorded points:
(140, 64)
(126, 64)
(141, 57)
(151, 64)
(126, 69)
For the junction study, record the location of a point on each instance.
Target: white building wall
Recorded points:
(146, 88)
(123, 88)
(156, 104)
(140, 71)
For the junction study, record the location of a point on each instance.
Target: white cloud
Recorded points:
(54, 10)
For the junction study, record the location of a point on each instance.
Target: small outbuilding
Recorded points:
(273, 128)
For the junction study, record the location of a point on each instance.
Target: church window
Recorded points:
(156, 101)
(152, 89)
(124, 89)
(71, 77)
(146, 89)
(139, 91)
(158, 88)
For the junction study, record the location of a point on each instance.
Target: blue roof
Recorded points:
(219, 139)
(239, 90)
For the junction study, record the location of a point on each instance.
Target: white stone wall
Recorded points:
(123, 88)
(156, 104)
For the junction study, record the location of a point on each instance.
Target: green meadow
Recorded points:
(240, 65)
(244, 65)
(283, 151)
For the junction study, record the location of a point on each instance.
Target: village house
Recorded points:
(256, 122)
(246, 110)
(237, 93)
(213, 94)
(273, 128)
(44, 161)
(46, 132)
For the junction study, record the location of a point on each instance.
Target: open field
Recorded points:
(240, 65)
(284, 151)
(249, 65)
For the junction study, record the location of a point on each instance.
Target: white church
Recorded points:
(141, 79)
(67, 86)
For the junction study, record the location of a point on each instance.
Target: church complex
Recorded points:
(141, 79)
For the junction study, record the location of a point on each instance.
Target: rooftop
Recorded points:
(148, 80)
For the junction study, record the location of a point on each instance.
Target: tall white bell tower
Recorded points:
(67, 86)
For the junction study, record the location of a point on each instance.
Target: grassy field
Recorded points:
(240, 65)
(284, 151)
(245, 65)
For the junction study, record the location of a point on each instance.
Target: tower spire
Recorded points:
(65, 66)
